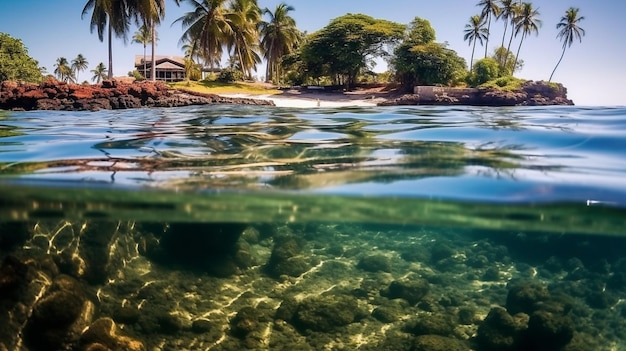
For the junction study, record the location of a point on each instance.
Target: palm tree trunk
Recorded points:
(110, 52)
(472, 58)
(153, 68)
(557, 64)
(506, 24)
(508, 49)
(488, 34)
(145, 69)
(518, 49)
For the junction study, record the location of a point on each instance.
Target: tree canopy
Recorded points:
(15, 63)
(421, 61)
(346, 46)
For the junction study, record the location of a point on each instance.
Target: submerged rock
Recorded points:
(327, 313)
(547, 332)
(286, 258)
(500, 331)
(103, 335)
(59, 317)
(208, 247)
(375, 263)
(412, 290)
(438, 343)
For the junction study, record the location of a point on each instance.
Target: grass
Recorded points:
(215, 87)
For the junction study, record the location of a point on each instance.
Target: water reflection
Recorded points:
(250, 148)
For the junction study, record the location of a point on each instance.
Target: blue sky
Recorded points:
(592, 70)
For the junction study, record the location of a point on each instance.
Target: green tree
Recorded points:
(244, 17)
(526, 22)
(99, 73)
(279, 37)
(79, 64)
(569, 30)
(428, 64)
(15, 64)
(489, 9)
(418, 60)
(344, 47)
(63, 70)
(485, 70)
(111, 14)
(475, 31)
(207, 24)
(420, 32)
(143, 36)
(506, 59)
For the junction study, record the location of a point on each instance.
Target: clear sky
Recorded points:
(593, 71)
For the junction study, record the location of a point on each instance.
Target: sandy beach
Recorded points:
(307, 98)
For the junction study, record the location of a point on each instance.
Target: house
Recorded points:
(168, 68)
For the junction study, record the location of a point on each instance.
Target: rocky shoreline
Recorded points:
(110, 95)
(532, 93)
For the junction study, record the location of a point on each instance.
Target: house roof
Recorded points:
(179, 61)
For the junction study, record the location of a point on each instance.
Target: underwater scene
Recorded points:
(414, 228)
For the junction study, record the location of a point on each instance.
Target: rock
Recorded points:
(526, 297)
(412, 290)
(59, 316)
(111, 94)
(245, 322)
(103, 335)
(501, 331)
(375, 263)
(286, 259)
(433, 324)
(438, 343)
(327, 313)
(531, 93)
(547, 331)
(207, 247)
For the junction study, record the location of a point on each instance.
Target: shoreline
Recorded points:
(117, 94)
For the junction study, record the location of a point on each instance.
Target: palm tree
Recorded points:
(111, 13)
(244, 17)
(207, 24)
(143, 36)
(569, 30)
(149, 13)
(526, 22)
(515, 10)
(489, 8)
(279, 37)
(79, 64)
(507, 12)
(99, 73)
(475, 31)
(63, 70)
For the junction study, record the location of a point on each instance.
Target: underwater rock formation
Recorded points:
(209, 247)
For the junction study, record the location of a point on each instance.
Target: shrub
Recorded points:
(507, 83)
(229, 75)
(485, 70)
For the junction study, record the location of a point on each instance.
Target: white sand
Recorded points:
(301, 102)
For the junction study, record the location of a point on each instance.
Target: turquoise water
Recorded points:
(400, 228)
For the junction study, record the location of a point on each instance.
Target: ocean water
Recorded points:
(348, 228)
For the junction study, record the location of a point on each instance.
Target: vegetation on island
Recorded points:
(342, 53)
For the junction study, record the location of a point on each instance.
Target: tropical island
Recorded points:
(335, 62)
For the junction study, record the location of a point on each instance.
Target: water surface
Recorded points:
(476, 203)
